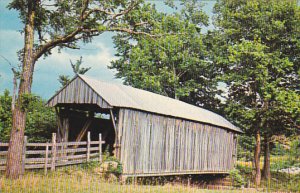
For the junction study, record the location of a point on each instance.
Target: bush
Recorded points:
(236, 177)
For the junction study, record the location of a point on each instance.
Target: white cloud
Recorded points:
(97, 55)
(47, 71)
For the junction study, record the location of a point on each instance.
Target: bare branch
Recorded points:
(84, 8)
(132, 5)
(49, 45)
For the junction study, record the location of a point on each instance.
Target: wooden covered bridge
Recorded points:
(150, 134)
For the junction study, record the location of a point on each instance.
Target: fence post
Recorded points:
(24, 154)
(46, 158)
(88, 146)
(100, 148)
(53, 151)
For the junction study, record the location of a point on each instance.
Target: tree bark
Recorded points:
(257, 158)
(266, 168)
(14, 157)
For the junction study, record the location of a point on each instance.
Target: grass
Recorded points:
(279, 181)
(74, 184)
(84, 179)
(80, 181)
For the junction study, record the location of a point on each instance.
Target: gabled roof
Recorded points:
(128, 97)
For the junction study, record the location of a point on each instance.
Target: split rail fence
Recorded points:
(51, 155)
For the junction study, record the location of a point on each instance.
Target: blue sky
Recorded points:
(97, 55)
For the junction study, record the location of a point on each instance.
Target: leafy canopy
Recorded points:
(63, 23)
(259, 54)
(175, 64)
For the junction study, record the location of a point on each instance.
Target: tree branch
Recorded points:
(49, 45)
(130, 31)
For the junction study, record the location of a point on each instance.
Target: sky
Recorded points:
(97, 54)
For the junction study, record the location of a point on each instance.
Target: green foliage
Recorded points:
(174, 64)
(64, 23)
(291, 155)
(40, 121)
(5, 116)
(112, 170)
(27, 100)
(89, 165)
(257, 46)
(260, 63)
(77, 69)
(245, 147)
(236, 177)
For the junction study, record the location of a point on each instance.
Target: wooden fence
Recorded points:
(51, 155)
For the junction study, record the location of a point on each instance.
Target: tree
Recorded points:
(259, 49)
(40, 121)
(174, 65)
(77, 69)
(62, 24)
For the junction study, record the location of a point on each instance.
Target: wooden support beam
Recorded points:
(112, 117)
(59, 124)
(84, 129)
(116, 145)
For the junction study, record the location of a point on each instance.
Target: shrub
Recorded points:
(236, 177)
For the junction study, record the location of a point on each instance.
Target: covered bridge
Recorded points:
(150, 134)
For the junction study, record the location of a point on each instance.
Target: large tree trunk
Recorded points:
(257, 158)
(266, 168)
(14, 157)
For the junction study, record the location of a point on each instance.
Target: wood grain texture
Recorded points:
(77, 91)
(154, 144)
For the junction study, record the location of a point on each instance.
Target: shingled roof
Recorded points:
(115, 95)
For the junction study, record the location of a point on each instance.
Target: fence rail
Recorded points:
(50, 155)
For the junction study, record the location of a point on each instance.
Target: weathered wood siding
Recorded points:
(154, 144)
(78, 92)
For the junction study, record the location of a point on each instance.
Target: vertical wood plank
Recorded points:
(24, 154)
(100, 147)
(46, 159)
(53, 151)
(88, 148)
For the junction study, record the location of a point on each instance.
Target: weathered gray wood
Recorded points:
(35, 160)
(72, 150)
(70, 157)
(97, 142)
(36, 152)
(71, 162)
(53, 151)
(36, 163)
(100, 148)
(78, 92)
(24, 154)
(3, 152)
(88, 146)
(59, 124)
(117, 143)
(71, 143)
(65, 130)
(155, 144)
(46, 160)
(36, 144)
